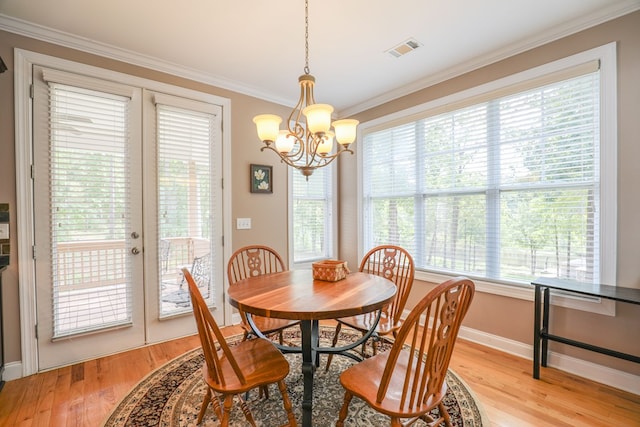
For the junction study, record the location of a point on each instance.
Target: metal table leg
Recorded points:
(536, 333)
(545, 326)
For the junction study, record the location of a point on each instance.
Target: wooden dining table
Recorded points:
(294, 294)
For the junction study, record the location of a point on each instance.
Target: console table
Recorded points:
(541, 333)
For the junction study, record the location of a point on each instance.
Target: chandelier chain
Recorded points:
(306, 36)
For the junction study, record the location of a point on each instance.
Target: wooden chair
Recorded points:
(231, 371)
(395, 264)
(251, 261)
(407, 383)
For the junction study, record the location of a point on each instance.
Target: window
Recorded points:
(312, 211)
(504, 183)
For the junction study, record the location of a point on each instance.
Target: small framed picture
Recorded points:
(261, 179)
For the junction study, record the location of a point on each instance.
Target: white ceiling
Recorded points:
(257, 46)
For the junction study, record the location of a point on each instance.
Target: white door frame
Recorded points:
(23, 63)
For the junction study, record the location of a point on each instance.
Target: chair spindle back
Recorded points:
(396, 264)
(251, 261)
(209, 334)
(431, 345)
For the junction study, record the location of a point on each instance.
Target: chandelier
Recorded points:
(307, 142)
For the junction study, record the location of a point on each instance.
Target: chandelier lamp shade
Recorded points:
(307, 142)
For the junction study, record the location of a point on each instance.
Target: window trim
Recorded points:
(606, 55)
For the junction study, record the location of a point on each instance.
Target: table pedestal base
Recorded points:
(311, 350)
(310, 360)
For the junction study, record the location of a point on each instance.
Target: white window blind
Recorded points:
(312, 215)
(505, 189)
(89, 209)
(185, 201)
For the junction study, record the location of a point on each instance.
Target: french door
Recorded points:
(123, 200)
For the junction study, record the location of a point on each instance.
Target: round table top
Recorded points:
(294, 294)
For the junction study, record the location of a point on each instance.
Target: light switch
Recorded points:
(4, 231)
(243, 223)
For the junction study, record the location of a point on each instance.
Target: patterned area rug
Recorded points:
(171, 396)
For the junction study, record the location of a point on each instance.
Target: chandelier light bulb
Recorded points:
(268, 126)
(326, 143)
(285, 142)
(345, 131)
(318, 117)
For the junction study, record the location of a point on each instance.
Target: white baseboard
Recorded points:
(236, 319)
(582, 368)
(12, 371)
(516, 348)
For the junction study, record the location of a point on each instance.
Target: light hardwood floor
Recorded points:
(84, 394)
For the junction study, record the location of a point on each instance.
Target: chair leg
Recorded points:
(226, 410)
(333, 344)
(264, 391)
(246, 411)
(344, 410)
(217, 407)
(364, 347)
(205, 403)
(375, 339)
(287, 403)
(444, 414)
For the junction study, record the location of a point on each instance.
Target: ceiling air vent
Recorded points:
(404, 48)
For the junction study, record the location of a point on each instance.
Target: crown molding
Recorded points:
(569, 28)
(46, 34)
(60, 38)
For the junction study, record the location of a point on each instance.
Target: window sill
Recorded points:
(524, 292)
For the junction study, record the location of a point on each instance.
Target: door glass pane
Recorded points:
(184, 204)
(90, 212)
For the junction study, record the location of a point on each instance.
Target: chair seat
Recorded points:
(260, 362)
(364, 322)
(269, 325)
(363, 380)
